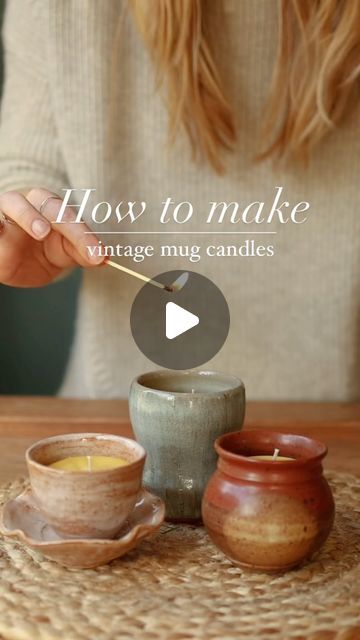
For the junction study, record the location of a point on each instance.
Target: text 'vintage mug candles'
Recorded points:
(177, 416)
(91, 504)
(263, 513)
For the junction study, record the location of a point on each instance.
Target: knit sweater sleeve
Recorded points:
(29, 151)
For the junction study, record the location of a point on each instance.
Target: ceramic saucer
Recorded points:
(21, 519)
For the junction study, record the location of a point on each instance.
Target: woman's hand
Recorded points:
(35, 250)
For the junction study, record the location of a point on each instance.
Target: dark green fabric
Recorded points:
(36, 328)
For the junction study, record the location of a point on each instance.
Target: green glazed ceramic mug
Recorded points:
(177, 416)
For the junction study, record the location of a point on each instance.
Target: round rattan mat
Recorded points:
(177, 586)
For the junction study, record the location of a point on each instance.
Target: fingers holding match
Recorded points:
(78, 243)
(26, 216)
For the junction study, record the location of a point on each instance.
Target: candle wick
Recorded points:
(275, 454)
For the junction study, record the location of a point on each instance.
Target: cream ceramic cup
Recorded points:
(85, 504)
(177, 416)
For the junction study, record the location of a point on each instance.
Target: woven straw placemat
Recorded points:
(178, 586)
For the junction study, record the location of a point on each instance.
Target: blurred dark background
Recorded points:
(36, 328)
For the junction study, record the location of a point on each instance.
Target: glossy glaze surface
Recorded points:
(268, 515)
(177, 416)
(22, 519)
(93, 504)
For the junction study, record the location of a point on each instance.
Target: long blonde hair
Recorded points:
(317, 63)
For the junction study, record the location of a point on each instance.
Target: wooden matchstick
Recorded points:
(140, 276)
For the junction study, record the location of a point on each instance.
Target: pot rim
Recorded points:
(31, 462)
(261, 438)
(235, 383)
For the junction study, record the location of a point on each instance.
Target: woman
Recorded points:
(82, 108)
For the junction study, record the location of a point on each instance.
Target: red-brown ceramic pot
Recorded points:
(268, 515)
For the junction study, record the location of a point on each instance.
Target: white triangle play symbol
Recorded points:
(178, 320)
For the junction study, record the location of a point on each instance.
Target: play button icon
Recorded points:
(180, 329)
(178, 320)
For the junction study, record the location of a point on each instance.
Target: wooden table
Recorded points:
(24, 420)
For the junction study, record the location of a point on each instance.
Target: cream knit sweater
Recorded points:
(295, 317)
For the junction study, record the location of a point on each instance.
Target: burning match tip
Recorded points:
(169, 289)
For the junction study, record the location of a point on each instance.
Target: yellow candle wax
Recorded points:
(88, 463)
(271, 458)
